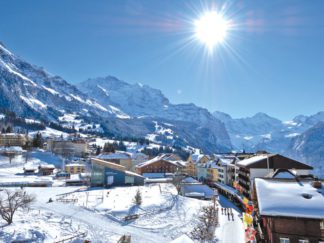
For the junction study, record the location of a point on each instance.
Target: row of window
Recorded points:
(286, 240)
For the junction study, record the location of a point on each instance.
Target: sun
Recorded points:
(211, 29)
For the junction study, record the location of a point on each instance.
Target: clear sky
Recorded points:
(272, 59)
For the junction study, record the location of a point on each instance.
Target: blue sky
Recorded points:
(272, 61)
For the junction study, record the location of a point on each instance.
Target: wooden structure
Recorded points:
(160, 165)
(45, 170)
(75, 168)
(263, 164)
(289, 210)
(13, 139)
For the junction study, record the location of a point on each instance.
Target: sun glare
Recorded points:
(211, 29)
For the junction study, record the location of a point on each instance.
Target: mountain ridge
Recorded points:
(32, 92)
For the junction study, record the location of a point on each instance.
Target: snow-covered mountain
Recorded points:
(114, 106)
(30, 91)
(301, 138)
(141, 102)
(309, 146)
(257, 132)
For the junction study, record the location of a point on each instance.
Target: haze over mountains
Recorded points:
(137, 110)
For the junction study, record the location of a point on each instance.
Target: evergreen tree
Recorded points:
(138, 197)
(37, 141)
(9, 129)
(121, 146)
(98, 151)
(109, 148)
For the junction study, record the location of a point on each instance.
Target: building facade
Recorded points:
(262, 165)
(13, 139)
(289, 210)
(160, 164)
(120, 158)
(106, 174)
(75, 168)
(68, 148)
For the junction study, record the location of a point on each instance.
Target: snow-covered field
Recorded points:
(12, 170)
(99, 213)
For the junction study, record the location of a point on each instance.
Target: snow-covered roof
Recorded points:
(46, 166)
(135, 155)
(197, 157)
(274, 161)
(226, 160)
(16, 149)
(198, 188)
(254, 159)
(114, 156)
(212, 164)
(159, 158)
(30, 167)
(74, 165)
(189, 180)
(289, 198)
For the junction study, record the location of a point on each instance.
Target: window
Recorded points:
(284, 240)
(322, 225)
(303, 241)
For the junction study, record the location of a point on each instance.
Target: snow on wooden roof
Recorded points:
(161, 158)
(289, 198)
(46, 166)
(274, 161)
(197, 157)
(74, 165)
(107, 164)
(198, 188)
(254, 159)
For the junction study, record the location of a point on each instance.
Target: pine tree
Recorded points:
(98, 151)
(37, 141)
(9, 129)
(122, 146)
(138, 197)
(109, 148)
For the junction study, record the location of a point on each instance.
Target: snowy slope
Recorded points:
(98, 212)
(301, 137)
(112, 107)
(309, 146)
(27, 89)
(191, 124)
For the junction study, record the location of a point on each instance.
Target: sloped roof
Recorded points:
(276, 161)
(130, 173)
(284, 197)
(197, 157)
(161, 158)
(107, 164)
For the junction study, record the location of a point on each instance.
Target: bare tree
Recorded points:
(11, 201)
(177, 180)
(208, 221)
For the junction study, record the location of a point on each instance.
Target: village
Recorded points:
(130, 194)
